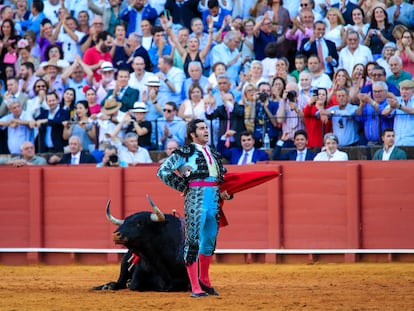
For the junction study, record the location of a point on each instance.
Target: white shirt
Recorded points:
(336, 156)
(75, 159)
(141, 156)
(139, 85)
(386, 155)
(249, 156)
(347, 59)
(322, 81)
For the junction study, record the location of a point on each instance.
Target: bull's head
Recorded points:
(157, 216)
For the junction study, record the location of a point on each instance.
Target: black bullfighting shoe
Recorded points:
(198, 295)
(208, 290)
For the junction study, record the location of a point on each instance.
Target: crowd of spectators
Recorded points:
(119, 78)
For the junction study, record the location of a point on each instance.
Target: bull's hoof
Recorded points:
(208, 290)
(198, 295)
(108, 286)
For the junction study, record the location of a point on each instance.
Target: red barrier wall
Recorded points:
(347, 205)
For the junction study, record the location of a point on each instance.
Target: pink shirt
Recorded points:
(299, 35)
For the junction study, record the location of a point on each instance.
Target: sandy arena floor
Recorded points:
(385, 286)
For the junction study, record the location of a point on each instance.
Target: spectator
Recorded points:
(27, 79)
(305, 84)
(228, 53)
(12, 94)
(70, 38)
(146, 34)
(75, 156)
(357, 23)
(278, 87)
(170, 147)
(194, 107)
(35, 18)
(335, 27)
(50, 123)
(130, 152)
(282, 70)
(191, 51)
(109, 117)
(170, 126)
(406, 50)
(111, 14)
(263, 35)
(379, 33)
(330, 150)
(343, 119)
(172, 80)
(390, 151)
(398, 74)
(46, 39)
(402, 109)
(91, 39)
(319, 78)
(247, 45)
(137, 11)
(264, 116)
(123, 93)
(378, 74)
(218, 14)
(388, 50)
(24, 55)
(135, 44)
(197, 32)
(83, 19)
(290, 112)
(53, 76)
(39, 100)
(341, 79)
(401, 13)
(111, 158)
(353, 53)
(301, 153)
(93, 106)
(151, 98)
(68, 101)
(19, 125)
(134, 122)
(120, 50)
(82, 127)
(346, 8)
(324, 49)
(249, 102)
(246, 154)
(315, 123)
(107, 83)
(231, 120)
(370, 112)
(96, 55)
(302, 27)
(195, 70)
(27, 156)
(76, 76)
(139, 77)
(159, 47)
(51, 10)
(182, 12)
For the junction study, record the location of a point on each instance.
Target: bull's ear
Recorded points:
(157, 216)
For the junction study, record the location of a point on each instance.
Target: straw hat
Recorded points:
(153, 81)
(111, 106)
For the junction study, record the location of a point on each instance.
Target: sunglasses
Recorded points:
(167, 110)
(304, 4)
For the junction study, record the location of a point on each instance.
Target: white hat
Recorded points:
(139, 107)
(153, 81)
(106, 66)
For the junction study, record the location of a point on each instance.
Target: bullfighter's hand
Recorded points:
(225, 195)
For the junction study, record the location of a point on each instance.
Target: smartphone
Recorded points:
(316, 92)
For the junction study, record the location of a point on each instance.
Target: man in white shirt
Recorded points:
(319, 78)
(353, 53)
(131, 153)
(139, 77)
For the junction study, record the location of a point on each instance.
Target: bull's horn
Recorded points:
(111, 218)
(157, 216)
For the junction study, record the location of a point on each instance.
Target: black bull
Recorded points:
(155, 244)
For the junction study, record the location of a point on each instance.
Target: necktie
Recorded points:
(301, 156)
(227, 143)
(244, 161)
(210, 160)
(73, 160)
(320, 54)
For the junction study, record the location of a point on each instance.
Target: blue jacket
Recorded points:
(233, 154)
(396, 154)
(129, 16)
(290, 155)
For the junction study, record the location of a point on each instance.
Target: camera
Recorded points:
(113, 159)
(291, 95)
(263, 96)
(374, 32)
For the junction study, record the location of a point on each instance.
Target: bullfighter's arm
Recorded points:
(167, 173)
